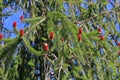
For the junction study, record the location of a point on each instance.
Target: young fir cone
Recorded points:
(102, 37)
(46, 47)
(118, 44)
(1, 36)
(62, 39)
(21, 32)
(99, 29)
(21, 17)
(79, 37)
(119, 53)
(80, 30)
(14, 24)
(51, 35)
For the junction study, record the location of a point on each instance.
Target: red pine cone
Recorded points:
(99, 30)
(21, 17)
(79, 37)
(119, 53)
(21, 32)
(102, 37)
(80, 30)
(62, 39)
(46, 47)
(51, 35)
(1, 36)
(118, 44)
(14, 24)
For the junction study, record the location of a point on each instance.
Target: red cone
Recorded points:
(46, 47)
(21, 32)
(14, 24)
(1, 36)
(51, 35)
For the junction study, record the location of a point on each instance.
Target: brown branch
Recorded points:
(60, 68)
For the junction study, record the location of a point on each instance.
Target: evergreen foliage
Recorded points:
(89, 54)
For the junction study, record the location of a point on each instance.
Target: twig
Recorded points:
(54, 56)
(59, 72)
(60, 69)
(104, 59)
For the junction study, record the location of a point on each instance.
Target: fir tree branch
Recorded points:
(16, 31)
(14, 42)
(31, 49)
(7, 40)
(104, 59)
(9, 46)
(32, 19)
(34, 26)
(104, 13)
(59, 72)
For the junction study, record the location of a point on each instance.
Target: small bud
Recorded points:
(21, 17)
(14, 24)
(80, 30)
(102, 37)
(79, 37)
(99, 30)
(118, 44)
(1, 36)
(51, 35)
(21, 32)
(119, 53)
(46, 47)
(62, 39)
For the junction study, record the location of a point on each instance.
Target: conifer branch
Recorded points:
(34, 26)
(104, 13)
(30, 49)
(9, 46)
(7, 40)
(32, 19)
(16, 31)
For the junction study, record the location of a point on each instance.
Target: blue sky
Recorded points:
(15, 16)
